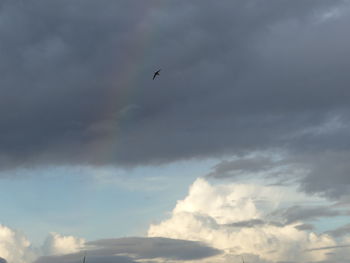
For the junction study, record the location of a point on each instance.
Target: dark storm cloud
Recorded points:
(137, 248)
(238, 76)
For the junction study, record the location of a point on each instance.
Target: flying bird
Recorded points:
(156, 74)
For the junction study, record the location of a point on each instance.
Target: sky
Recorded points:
(239, 149)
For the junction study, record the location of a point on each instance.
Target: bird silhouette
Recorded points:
(156, 74)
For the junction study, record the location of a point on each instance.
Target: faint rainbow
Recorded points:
(124, 82)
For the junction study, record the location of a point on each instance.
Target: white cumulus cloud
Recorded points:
(15, 247)
(240, 220)
(57, 244)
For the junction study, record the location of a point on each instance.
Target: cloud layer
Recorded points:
(237, 76)
(134, 249)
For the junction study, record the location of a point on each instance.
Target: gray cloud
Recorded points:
(329, 247)
(77, 258)
(254, 223)
(238, 77)
(316, 172)
(300, 213)
(328, 173)
(137, 248)
(341, 231)
(150, 248)
(242, 166)
(248, 223)
(293, 214)
(2, 260)
(305, 227)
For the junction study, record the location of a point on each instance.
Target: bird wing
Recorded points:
(156, 73)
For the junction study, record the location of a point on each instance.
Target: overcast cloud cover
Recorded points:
(261, 86)
(238, 77)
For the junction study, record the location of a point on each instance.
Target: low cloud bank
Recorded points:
(213, 223)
